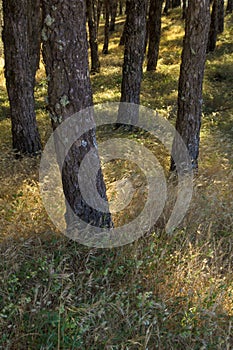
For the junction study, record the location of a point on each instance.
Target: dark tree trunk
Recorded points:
(176, 3)
(134, 52)
(99, 10)
(93, 40)
(106, 27)
(123, 36)
(184, 9)
(120, 7)
(147, 35)
(213, 31)
(166, 7)
(220, 16)
(229, 8)
(155, 13)
(69, 91)
(147, 26)
(113, 11)
(21, 37)
(191, 78)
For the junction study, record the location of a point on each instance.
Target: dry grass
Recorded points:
(162, 292)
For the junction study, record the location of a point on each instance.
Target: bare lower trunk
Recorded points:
(99, 10)
(229, 8)
(184, 9)
(191, 78)
(21, 37)
(93, 39)
(69, 91)
(213, 31)
(123, 36)
(134, 54)
(166, 7)
(176, 3)
(154, 33)
(220, 16)
(106, 27)
(120, 7)
(113, 11)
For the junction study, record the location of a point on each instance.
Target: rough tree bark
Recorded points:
(191, 78)
(21, 37)
(93, 35)
(134, 52)
(155, 13)
(213, 30)
(69, 91)
(106, 26)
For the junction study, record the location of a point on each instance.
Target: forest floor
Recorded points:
(160, 292)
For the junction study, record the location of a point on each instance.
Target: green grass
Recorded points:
(161, 292)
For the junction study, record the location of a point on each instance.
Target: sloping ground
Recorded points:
(161, 292)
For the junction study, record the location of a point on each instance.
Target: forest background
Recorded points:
(161, 292)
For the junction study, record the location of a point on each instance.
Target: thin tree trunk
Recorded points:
(191, 79)
(93, 39)
(147, 35)
(229, 8)
(166, 7)
(184, 9)
(69, 91)
(133, 55)
(120, 7)
(220, 16)
(99, 10)
(123, 36)
(106, 27)
(155, 13)
(147, 26)
(213, 31)
(21, 37)
(176, 3)
(113, 11)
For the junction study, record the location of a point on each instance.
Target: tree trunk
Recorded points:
(191, 78)
(123, 36)
(69, 91)
(120, 7)
(106, 27)
(166, 7)
(184, 9)
(176, 3)
(21, 37)
(229, 6)
(213, 31)
(155, 13)
(99, 10)
(134, 53)
(113, 11)
(220, 16)
(93, 40)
